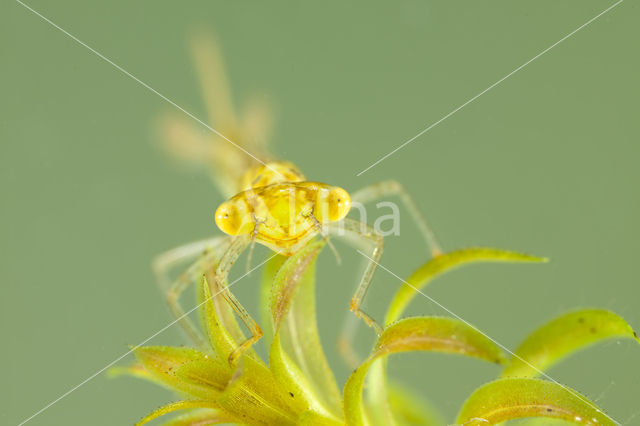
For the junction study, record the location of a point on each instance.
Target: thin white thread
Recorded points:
(492, 339)
(67, 393)
(128, 74)
(490, 87)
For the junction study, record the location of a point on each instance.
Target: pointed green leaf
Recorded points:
(289, 278)
(224, 313)
(133, 370)
(544, 421)
(211, 374)
(268, 276)
(287, 372)
(256, 397)
(564, 335)
(217, 328)
(312, 418)
(296, 355)
(221, 340)
(175, 406)
(377, 404)
(514, 398)
(200, 417)
(408, 409)
(162, 362)
(443, 263)
(435, 334)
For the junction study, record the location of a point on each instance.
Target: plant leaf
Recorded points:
(270, 271)
(436, 334)
(218, 332)
(513, 398)
(408, 409)
(213, 375)
(224, 313)
(544, 421)
(312, 418)
(290, 276)
(377, 399)
(162, 362)
(292, 378)
(133, 370)
(443, 263)
(563, 336)
(201, 417)
(174, 406)
(296, 355)
(256, 397)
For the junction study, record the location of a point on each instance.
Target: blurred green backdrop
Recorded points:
(546, 163)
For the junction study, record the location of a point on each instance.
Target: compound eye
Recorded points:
(339, 204)
(229, 219)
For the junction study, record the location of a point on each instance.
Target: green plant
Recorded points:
(297, 386)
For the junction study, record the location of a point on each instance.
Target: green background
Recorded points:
(546, 163)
